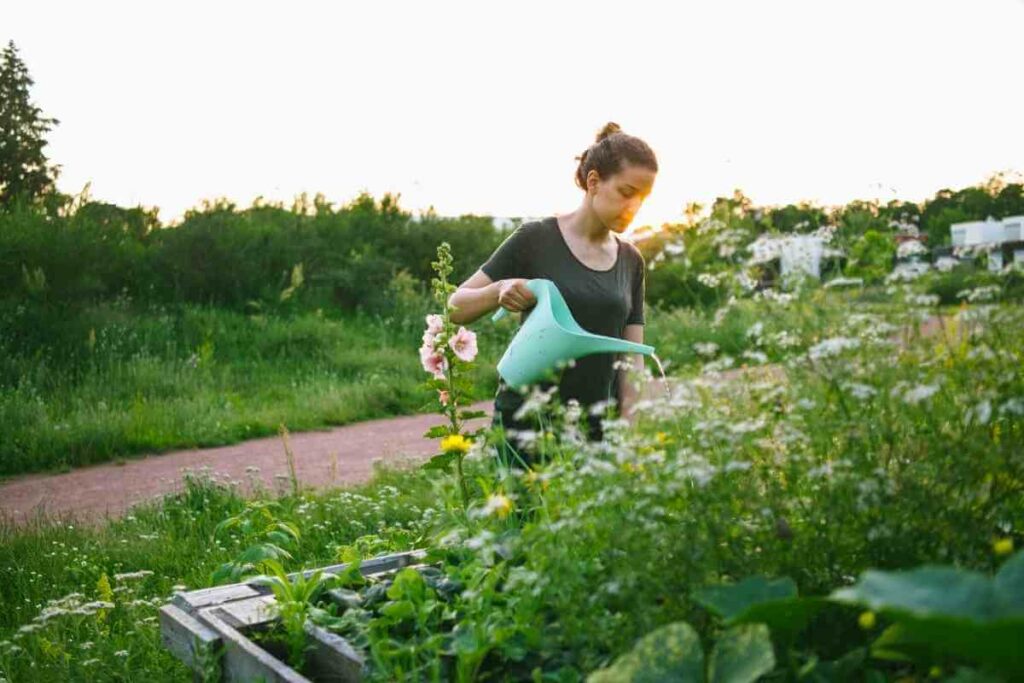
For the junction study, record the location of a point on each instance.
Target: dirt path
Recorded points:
(337, 457)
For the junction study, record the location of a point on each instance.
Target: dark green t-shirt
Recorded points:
(601, 301)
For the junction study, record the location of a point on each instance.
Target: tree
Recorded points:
(25, 172)
(871, 256)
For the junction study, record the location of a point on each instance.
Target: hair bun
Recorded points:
(609, 129)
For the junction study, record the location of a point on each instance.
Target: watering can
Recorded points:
(551, 336)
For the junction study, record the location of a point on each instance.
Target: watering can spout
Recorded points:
(612, 345)
(550, 336)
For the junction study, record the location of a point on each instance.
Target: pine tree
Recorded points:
(25, 173)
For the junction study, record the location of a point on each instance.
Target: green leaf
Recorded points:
(471, 414)
(408, 584)
(279, 537)
(399, 610)
(965, 675)
(262, 552)
(995, 645)
(741, 655)
(442, 461)
(924, 592)
(942, 613)
(465, 642)
(670, 653)
(288, 528)
(785, 618)
(437, 432)
(849, 667)
(728, 601)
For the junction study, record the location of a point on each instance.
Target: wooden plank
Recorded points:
(190, 641)
(377, 565)
(244, 614)
(222, 614)
(332, 658)
(215, 595)
(244, 661)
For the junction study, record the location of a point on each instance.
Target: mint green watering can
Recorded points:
(550, 336)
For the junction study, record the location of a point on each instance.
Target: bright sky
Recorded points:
(480, 107)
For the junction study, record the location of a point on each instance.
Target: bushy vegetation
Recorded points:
(762, 519)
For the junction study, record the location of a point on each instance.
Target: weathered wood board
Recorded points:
(210, 628)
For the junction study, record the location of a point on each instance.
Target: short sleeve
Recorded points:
(636, 312)
(511, 258)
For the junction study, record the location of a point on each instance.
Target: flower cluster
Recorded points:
(432, 352)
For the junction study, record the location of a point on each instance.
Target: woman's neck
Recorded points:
(583, 224)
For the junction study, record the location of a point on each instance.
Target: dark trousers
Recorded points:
(511, 451)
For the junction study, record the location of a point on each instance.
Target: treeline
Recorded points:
(693, 260)
(262, 258)
(369, 253)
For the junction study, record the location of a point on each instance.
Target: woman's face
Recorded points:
(617, 199)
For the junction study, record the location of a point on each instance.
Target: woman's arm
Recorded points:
(479, 295)
(628, 394)
(474, 298)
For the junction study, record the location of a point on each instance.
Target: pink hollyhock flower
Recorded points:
(433, 362)
(464, 344)
(430, 339)
(442, 396)
(435, 323)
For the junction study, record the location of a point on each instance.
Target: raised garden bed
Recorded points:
(220, 632)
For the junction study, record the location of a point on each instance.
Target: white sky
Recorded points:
(480, 107)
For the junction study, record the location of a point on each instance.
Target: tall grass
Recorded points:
(120, 382)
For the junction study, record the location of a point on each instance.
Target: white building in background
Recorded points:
(795, 253)
(1002, 239)
(976, 233)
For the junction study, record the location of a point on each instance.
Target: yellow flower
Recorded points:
(455, 443)
(1002, 546)
(662, 438)
(866, 620)
(498, 504)
(106, 593)
(633, 468)
(533, 479)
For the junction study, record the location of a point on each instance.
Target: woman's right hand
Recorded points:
(515, 296)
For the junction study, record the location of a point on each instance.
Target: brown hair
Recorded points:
(607, 154)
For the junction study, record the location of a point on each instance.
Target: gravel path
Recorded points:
(323, 459)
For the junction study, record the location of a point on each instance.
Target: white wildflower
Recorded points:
(535, 402)
(979, 414)
(832, 347)
(979, 293)
(758, 357)
(919, 393)
(860, 391)
(1013, 406)
(923, 299)
(706, 349)
(708, 280)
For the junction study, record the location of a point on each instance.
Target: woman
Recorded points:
(600, 275)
